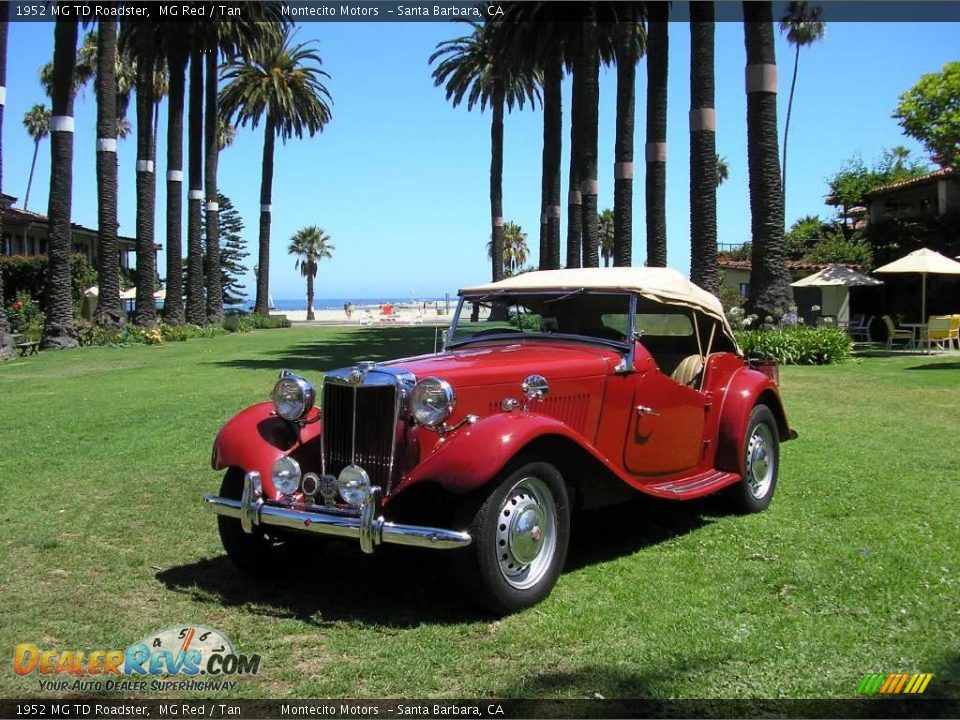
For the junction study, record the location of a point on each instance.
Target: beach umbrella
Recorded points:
(923, 262)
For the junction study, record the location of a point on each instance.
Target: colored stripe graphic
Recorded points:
(894, 683)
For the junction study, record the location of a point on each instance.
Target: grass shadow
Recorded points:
(937, 366)
(343, 349)
(620, 530)
(404, 587)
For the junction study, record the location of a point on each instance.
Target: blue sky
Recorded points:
(399, 179)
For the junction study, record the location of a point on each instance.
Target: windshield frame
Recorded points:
(627, 347)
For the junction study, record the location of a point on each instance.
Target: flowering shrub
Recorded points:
(797, 344)
(25, 317)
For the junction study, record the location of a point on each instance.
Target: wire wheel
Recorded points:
(526, 533)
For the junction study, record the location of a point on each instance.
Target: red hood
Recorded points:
(496, 362)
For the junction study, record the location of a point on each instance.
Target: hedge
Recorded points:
(26, 276)
(797, 344)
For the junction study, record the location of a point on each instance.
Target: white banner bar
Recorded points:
(61, 123)
(145, 166)
(195, 195)
(213, 207)
(3, 95)
(107, 145)
(266, 208)
(762, 77)
(175, 175)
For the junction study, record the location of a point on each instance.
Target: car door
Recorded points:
(664, 428)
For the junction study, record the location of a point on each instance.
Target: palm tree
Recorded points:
(656, 147)
(311, 245)
(473, 66)
(515, 248)
(630, 43)
(804, 26)
(770, 292)
(226, 134)
(6, 342)
(703, 150)
(142, 40)
(58, 328)
(37, 122)
(196, 312)
(588, 64)
(212, 153)
(282, 84)
(109, 310)
(575, 197)
(177, 54)
(723, 170)
(607, 224)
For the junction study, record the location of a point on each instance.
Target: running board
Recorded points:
(694, 487)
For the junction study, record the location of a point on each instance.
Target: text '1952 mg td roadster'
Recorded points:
(554, 391)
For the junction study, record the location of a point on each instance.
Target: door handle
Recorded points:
(644, 410)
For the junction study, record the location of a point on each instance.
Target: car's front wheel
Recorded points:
(260, 553)
(761, 462)
(520, 535)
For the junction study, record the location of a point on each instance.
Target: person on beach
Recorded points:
(348, 309)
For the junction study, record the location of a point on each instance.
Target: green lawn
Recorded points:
(104, 455)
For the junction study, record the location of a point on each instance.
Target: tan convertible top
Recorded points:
(663, 285)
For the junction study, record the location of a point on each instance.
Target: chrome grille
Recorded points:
(359, 423)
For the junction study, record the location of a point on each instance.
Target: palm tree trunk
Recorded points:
(496, 180)
(33, 165)
(109, 309)
(262, 305)
(6, 342)
(703, 149)
(786, 127)
(588, 150)
(145, 307)
(658, 45)
(214, 288)
(311, 270)
(58, 328)
(575, 199)
(770, 293)
(552, 148)
(623, 170)
(196, 311)
(173, 304)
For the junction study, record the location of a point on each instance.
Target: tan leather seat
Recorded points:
(689, 369)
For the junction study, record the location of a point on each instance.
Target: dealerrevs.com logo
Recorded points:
(184, 652)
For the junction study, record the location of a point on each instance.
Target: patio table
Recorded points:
(917, 329)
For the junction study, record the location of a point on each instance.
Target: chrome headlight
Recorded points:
(292, 396)
(432, 401)
(353, 485)
(286, 475)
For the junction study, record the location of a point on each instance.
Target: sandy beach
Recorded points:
(400, 316)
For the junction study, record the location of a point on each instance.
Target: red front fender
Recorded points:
(254, 438)
(469, 457)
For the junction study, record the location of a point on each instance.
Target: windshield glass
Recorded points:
(599, 316)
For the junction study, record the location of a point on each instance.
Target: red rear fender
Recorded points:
(747, 388)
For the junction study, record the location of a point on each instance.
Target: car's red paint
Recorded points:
(255, 438)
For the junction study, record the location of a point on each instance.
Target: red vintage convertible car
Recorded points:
(554, 391)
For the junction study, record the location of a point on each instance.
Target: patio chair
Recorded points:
(859, 328)
(940, 331)
(895, 333)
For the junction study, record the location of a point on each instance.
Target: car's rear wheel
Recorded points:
(761, 463)
(520, 535)
(263, 553)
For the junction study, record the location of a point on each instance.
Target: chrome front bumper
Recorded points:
(369, 528)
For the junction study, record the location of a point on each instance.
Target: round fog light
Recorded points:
(286, 475)
(354, 485)
(310, 484)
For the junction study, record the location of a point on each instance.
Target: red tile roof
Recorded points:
(941, 174)
(728, 264)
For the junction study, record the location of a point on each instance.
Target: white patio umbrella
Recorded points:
(838, 280)
(131, 294)
(923, 261)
